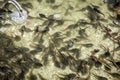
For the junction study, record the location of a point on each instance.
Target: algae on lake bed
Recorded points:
(60, 40)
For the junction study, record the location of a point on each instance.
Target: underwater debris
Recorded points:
(107, 68)
(95, 9)
(18, 16)
(109, 32)
(117, 63)
(98, 11)
(98, 62)
(114, 63)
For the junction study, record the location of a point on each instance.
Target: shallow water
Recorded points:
(61, 37)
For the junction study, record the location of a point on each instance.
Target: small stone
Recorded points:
(70, 44)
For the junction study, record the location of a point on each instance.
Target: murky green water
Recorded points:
(59, 40)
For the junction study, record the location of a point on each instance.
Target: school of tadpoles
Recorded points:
(16, 62)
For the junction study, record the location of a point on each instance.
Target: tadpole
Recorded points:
(24, 29)
(37, 63)
(88, 45)
(27, 5)
(50, 1)
(39, 1)
(32, 77)
(115, 75)
(70, 76)
(42, 15)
